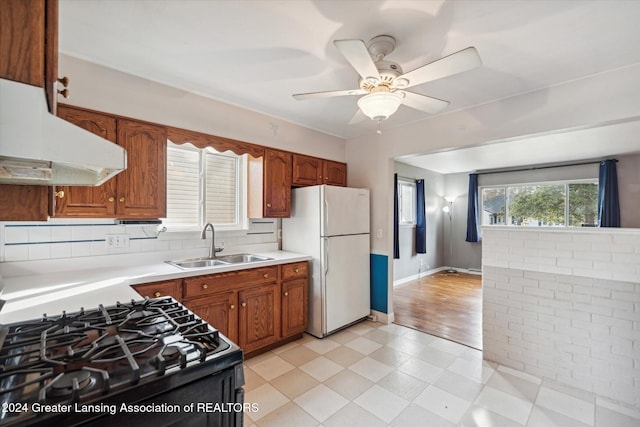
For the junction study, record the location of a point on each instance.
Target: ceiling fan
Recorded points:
(383, 82)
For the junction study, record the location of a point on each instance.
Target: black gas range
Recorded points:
(145, 363)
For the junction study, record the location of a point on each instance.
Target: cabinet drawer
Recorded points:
(203, 285)
(159, 289)
(295, 270)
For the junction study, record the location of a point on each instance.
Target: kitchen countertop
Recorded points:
(31, 291)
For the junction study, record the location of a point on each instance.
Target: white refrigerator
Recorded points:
(332, 225)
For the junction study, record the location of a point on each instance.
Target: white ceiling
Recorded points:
(257, 53)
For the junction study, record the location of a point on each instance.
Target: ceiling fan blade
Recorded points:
(329, 94)
(358, 117)
(356, 52)
(466, 59)
(424, 103)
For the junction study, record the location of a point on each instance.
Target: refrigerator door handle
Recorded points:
(326, 216)
(326, 256)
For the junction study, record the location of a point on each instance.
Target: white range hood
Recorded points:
(39, 148)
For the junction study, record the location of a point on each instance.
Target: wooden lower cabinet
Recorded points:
(219, 310)
(256, 308)
(259, 317)
(295, 307)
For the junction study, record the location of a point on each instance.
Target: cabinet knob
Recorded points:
(205, 286)
(296, 270)
(232, 307)
(244, 304)
(60, 194)
(286, 294)
(111, 199)
(64, 92)
(157, 294)
(265, 275)
(268, 205)
(64, 81)
(121, 199)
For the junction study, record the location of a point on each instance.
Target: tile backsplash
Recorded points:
(27, 241)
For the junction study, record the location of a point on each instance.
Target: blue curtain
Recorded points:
(396, 228)
(421, 223)
(473, 229)
(608, 202)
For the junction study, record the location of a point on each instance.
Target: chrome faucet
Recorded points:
(213, 250)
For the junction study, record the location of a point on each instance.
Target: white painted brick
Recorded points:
(540, 244)
(593, 272)
(633, 239)
(544, 293)
(568, 296)
(591, 308)
(575, 263)
(556, 286)
(615, 248)
(573, 246)
(557, 237)
(610, 321)
(524, 298)
(619, 304)
(592, 238)
(629, 258)
(555, 269)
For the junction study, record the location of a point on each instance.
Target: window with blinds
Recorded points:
(203, 186)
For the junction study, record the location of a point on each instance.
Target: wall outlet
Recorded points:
(117, 240)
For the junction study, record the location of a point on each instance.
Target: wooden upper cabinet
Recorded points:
(24, 28)
(270, 185)
(22, 39)
(87, 202)
(309, 170)
(139, 191)
(141, 188)
(306, 170)
(335, 173)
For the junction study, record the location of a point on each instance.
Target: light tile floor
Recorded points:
(387, 375)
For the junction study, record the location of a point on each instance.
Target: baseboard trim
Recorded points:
(378, 316)
(417, 276)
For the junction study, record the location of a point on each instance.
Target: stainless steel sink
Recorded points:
(198, 263)
(242, 258)
(218, 261)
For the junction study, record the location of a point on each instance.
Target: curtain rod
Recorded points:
(542, 167)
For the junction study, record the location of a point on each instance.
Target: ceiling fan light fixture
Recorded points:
(379, 106)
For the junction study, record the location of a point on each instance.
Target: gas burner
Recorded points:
(68, 383)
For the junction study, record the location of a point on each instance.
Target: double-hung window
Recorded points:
(407, 202)
(572, 204)
(203, 186)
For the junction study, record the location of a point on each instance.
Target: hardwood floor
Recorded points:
(445, 305)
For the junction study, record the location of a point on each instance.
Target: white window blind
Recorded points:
(221, 188)
(203, 186)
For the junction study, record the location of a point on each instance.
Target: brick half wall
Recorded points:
(555, 305)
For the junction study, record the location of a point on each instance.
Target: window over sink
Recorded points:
(204, 185)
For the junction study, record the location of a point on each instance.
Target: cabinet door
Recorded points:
(87, 202)
(295, 307)
(22, 38)
(220, 310)
(335, 173)
(141, 188)
(22, 59)
(277, 184)
(306, 170)
(259, 316)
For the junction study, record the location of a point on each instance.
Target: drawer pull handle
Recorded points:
(286, 294)
(244, 304)
(266, 275)
(157, 294)
(232, 307)
(205, 286)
